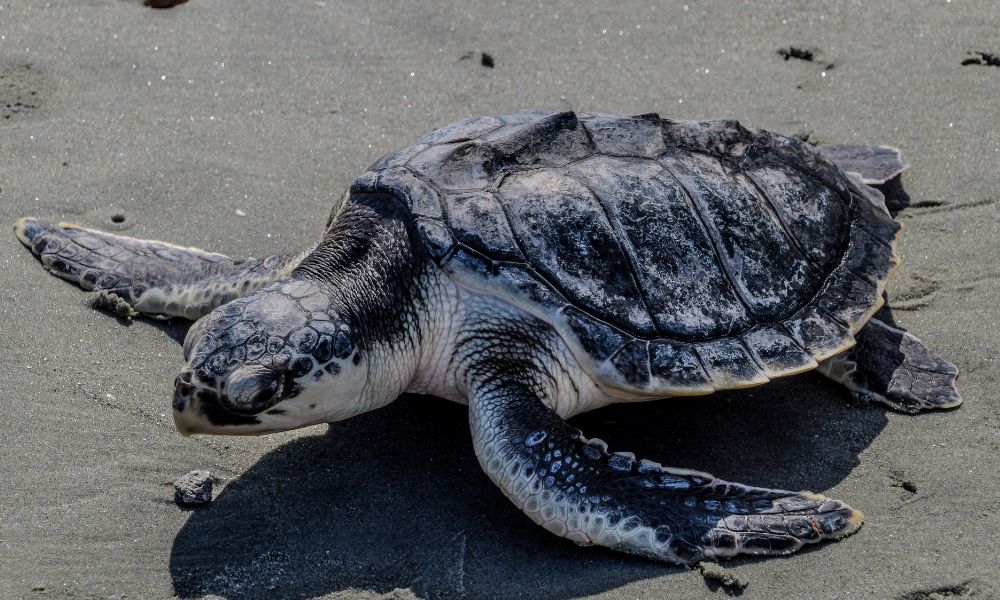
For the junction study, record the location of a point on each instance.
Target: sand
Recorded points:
(234, 126)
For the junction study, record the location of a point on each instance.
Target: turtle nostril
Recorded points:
(185, 376)
(182, 386)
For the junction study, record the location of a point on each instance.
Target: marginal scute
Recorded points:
(399, 157)
(632, 362)
(597, 339)
(651, 117)
(818, 332)
(469, 262)
(676, 364)
(868, 258)
(518, 280)
(848, 298)
(524, 116)
(873, 216)
(776, 352)
(729, 365)
(873, 195)
(366, 183)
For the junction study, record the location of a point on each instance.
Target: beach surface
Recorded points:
(235, 126)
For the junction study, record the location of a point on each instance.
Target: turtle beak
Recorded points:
(199, 408)
(183, 390)
(183, 398)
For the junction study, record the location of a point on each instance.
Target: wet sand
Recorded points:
(235, 126)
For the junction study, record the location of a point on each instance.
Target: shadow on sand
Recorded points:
(396, 498)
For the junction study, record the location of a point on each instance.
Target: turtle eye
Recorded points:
(264, 397)
(252, 390)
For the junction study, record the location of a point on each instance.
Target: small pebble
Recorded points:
(194, 489)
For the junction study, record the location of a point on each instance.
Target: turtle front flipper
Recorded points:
(153, 278)
(891, 366)
(577, 489)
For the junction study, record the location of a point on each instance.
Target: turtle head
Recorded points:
(277, 359)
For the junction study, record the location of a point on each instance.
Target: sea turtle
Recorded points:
(539, 264)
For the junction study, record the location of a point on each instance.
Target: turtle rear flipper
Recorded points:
(875, 164)
(893, 367)
(154, 278)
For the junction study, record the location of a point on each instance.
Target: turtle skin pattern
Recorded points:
(676, 258)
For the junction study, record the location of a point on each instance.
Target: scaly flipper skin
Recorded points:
(893, 367)
(578, 490)
(154, 278)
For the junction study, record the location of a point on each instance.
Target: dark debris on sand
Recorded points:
(985, 59)
(485, 58)
(806, 54)
(163, 3)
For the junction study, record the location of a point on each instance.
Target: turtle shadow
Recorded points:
(396, 499)
(176, 329)
(896, 198)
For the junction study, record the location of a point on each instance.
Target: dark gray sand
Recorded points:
(235, 125)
